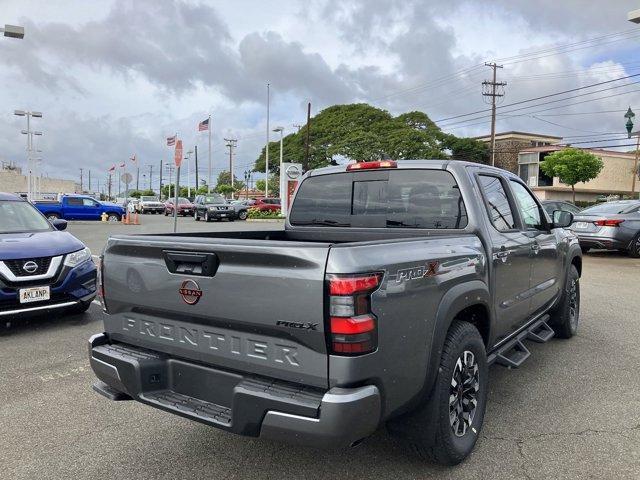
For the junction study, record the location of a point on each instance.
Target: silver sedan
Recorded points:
(611, 226)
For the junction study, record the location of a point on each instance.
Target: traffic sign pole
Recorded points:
(175, 202)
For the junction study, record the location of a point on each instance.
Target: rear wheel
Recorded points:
(113, 217)
(564, 319)
(445, 428)
(242, 215)
(634, 248)
(195, 216)
(52, 216)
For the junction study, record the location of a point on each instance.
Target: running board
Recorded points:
(514, 353)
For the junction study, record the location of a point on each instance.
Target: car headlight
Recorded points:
(212, 208)
(76, 258)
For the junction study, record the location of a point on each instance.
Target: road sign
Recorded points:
(177, 157)
(126, 178)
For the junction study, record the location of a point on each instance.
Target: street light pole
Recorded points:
(29, 133)
(629, 126)
(188, 159)
(266, 151)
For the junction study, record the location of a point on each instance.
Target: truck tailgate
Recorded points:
(245, 305)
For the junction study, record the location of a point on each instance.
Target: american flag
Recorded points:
(124, 164)
(133, 159)
(203, 125)
(171, 141)
(113, 167)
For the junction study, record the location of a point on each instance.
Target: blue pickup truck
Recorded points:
(42, 268)
(80, 207)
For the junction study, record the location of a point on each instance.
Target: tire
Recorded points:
(634, 248)
(113, 217)
(564, 319)
(80, 308)
(242, 215)
(195, 216)
(166, 213)
(52, 216)
(429, 430)
(206, 217)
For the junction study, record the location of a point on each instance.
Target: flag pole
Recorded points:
(209, 173)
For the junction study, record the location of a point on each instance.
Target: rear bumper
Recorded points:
(239, 403)
(607, 243)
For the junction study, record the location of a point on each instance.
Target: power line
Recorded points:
(543, 97)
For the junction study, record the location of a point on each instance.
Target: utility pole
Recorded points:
(89, 187)
(109, 187)
(150, 175)
(305, 167)
(81, 184)
(231, 143)
(160, 186)
(493, 90)
(137, 178)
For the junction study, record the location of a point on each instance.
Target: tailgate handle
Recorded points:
(187, 263)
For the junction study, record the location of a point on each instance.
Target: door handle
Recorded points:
(535, 248)
(501, 255)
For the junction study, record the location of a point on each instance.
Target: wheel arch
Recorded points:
(468, 301)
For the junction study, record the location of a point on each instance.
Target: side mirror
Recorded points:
(562, 219)
(59, 224)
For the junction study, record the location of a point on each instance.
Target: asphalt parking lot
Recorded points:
(571, 411)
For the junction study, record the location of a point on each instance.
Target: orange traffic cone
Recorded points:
(125, 219)
(135, 219)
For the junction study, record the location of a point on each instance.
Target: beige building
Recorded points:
(615, 179)
(509, 144)
(13, 181)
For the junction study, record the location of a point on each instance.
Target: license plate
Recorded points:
(581, 225)
(34, 294)
(223, 215)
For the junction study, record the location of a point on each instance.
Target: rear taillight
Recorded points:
(100, 283)
(609, 223)
(372, 165)
(352, 326)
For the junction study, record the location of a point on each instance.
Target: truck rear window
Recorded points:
(391, 199)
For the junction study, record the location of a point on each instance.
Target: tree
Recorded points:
(467, 149)
(274, 185)
(224, 178)
(362, 132)
(572, 165)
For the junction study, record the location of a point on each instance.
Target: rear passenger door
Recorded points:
(73, 208)
(510, 250)
(546, 273)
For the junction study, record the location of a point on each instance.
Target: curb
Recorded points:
(272, 220)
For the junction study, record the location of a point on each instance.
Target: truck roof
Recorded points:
(417, 163)
(9, 196)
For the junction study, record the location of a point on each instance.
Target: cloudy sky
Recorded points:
(114, 78)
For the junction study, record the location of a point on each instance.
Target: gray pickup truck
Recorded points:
(391, 290)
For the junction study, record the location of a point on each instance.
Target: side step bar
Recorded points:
(514, 353)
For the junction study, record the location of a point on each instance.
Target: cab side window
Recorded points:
(528, 207)
(498, 205)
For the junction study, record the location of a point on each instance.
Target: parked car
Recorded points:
(80, 207)
(267, 204)
(213, 206)
(42, 268)
(241, 207)
(391, 289)
(552, 205)
(150, 204)
(611, 225)
(185, 207)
